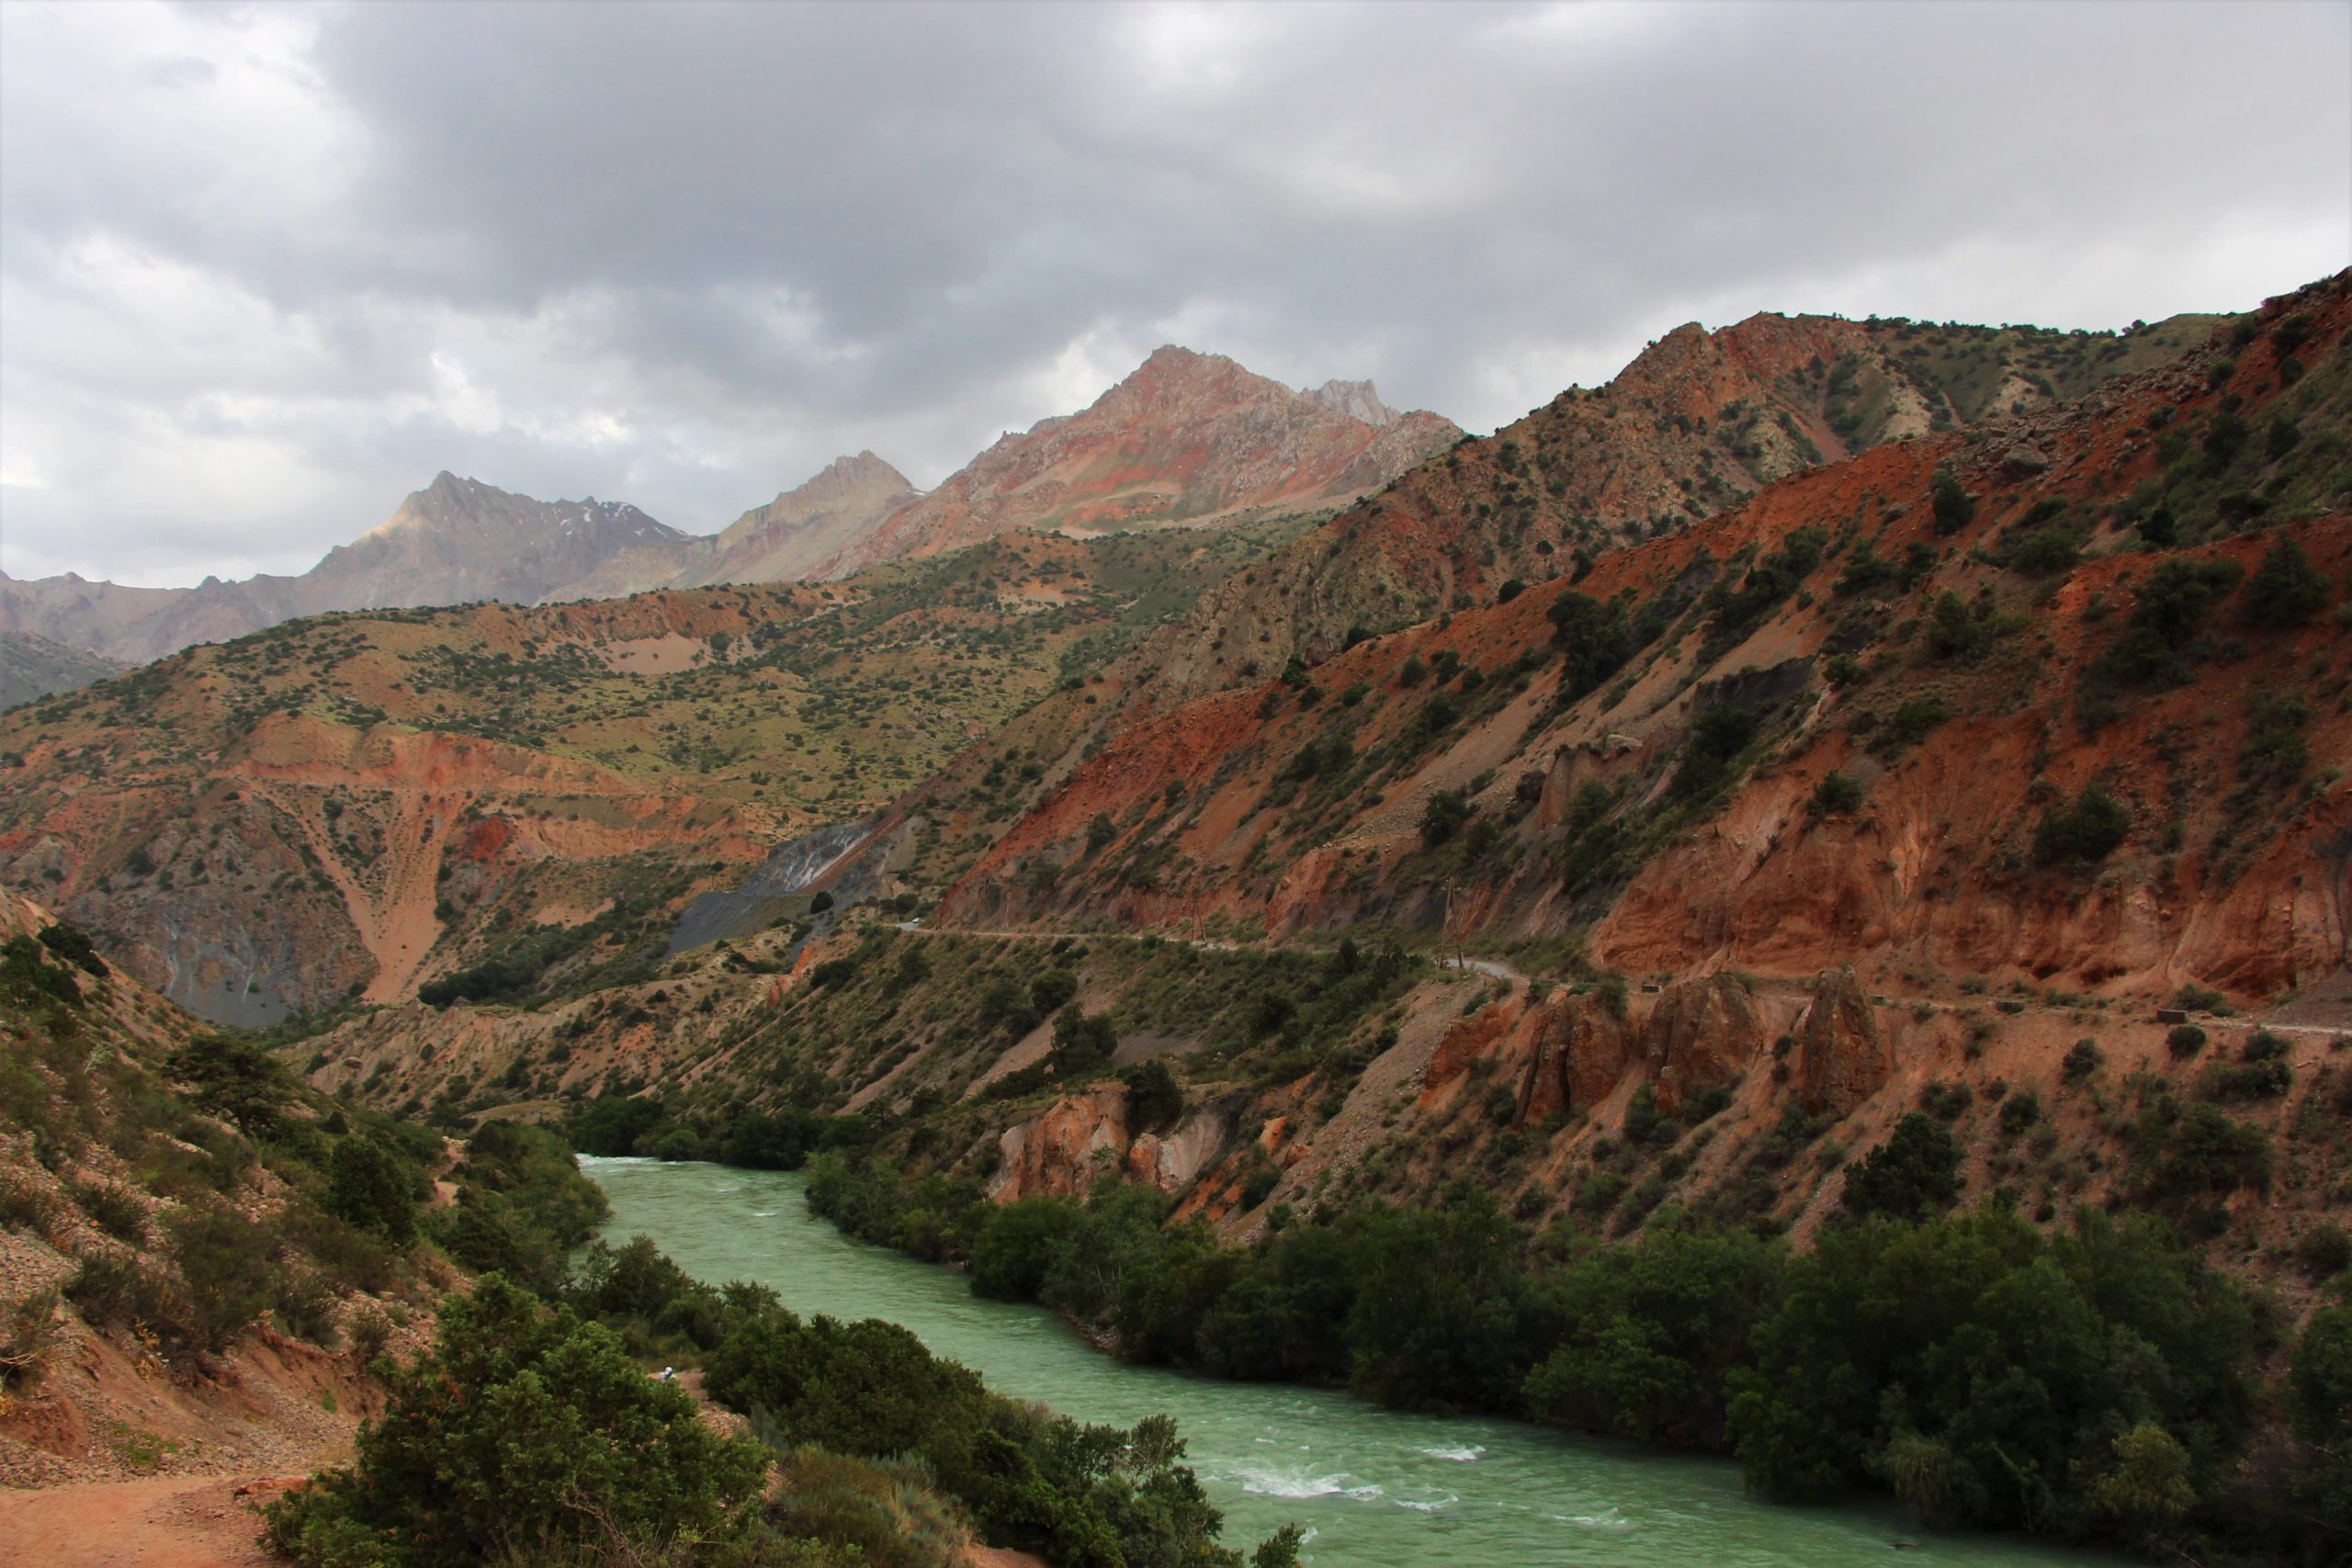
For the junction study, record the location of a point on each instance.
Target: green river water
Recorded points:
(1377, 1489)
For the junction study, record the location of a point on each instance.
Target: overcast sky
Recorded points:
(265, 269)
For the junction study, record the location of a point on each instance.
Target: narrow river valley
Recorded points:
(1374, 1487)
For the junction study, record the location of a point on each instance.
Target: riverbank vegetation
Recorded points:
(2095, 1384)
(531, 1434)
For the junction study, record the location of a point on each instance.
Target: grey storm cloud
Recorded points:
(263, 269)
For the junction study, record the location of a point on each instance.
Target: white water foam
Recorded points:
(1294, 1483)
(1458, 1454)
(1607, 1519)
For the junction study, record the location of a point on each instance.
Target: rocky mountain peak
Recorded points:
(1185, 437)
(1359, 400)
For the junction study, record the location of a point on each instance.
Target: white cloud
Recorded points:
(265, 269)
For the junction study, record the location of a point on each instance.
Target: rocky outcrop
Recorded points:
(1173, 1160)
(1358, 400)
(1063, 1149)
(1701, 1034)
(1843, 1056)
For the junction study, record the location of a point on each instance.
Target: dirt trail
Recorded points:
(171, 1521)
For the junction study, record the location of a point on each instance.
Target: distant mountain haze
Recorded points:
(801, 529)
(454, 542)
(1187, 438)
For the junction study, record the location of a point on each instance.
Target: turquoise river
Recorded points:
(1374, 1487)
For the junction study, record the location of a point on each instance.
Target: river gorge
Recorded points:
(1377, 1488)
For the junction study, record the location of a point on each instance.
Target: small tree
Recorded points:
(2083, 833)
(525, 1433)
(1154, 1097)
(1912, 1174)
(1443, 817)
(2285, 591)
(1083, 1042)
(1954, 507)
(368, 1185)
(1835, 795)
(235, 1079)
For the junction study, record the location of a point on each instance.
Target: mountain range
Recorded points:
(1187, 438)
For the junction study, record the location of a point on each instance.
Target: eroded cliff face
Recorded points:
(1964, 678)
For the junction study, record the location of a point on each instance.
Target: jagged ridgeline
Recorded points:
(351, 805)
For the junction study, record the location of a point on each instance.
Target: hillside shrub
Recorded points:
(1717, 736)
(1914, 1173)
(1154, 1097)
(2083, 1059)
(2284, 591)
(523, 1432)
(1836, 795)
(1443, 817)
(1953, 506)
(2084, 832)
(370, 1186)
(1083, 1042)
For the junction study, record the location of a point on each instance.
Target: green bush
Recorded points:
(235, 1079)
(1912, 720)
(2284, 591)
(522, 1431)
(230, 1272)
(114, 1209)
(1836, 795)
(371, 1186)
(1914, 1173)
(1051, 990)
(1443, 817)
(2185, 1040)
(1083, 1041)
(114, 1290)
(1954, 507)
(1154, 1097)
(1718, 735)
(1016, 1248)
(2084, 832)
(2083, 1059)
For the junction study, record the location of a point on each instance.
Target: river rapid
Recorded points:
(1377, 1489)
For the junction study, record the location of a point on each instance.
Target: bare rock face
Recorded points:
(1582, 1048)
(1187, 438)
(1062, 1149)
(1357, 400)
(1843, 1057)
(793, 536)
(1703, 1035)
(1173, 1160)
